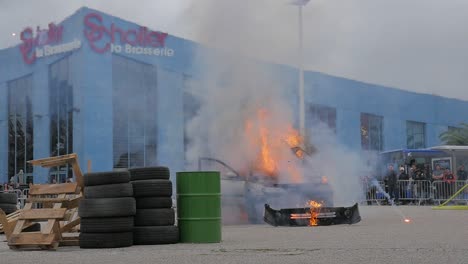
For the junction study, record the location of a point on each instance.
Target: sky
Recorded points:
(417, 45)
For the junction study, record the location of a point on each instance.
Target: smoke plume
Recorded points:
(233, 89)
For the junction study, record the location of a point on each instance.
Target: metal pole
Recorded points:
(301, 79)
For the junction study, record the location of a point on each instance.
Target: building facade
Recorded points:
(112, 91)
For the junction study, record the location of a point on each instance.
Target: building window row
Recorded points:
(20, 128)
(61, 116)
(134, 113)
(371, 128)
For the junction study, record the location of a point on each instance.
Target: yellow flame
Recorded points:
(314, 212)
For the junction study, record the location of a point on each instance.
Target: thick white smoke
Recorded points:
(233, 88)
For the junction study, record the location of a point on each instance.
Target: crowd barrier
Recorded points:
(416, 192)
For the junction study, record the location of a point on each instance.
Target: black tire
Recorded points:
(109, 191)
(106, 240)
(155, 217)
(154, 235)
(152, 188)
(149, 173)
(8, 198)
(107, 207)
(153, 202)
(8, 208)
(106, 225)
(36, 227)
(101, 178)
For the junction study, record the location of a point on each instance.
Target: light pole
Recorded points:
(300, 4)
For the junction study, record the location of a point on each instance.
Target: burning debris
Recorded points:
(315, 215)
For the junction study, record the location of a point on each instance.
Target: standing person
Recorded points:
(448, 184)
(391, 178)
(404, 184)
(461, 173)
(438, 175)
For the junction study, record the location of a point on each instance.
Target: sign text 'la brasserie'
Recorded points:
(102, 39)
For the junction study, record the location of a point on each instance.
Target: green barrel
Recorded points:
(199, 206)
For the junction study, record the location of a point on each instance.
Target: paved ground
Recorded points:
(434, 237)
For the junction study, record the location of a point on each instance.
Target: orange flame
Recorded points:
(269, 144)
(293, 138)
(314, 212)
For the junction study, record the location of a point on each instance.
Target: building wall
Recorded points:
(91, 75)
(3, 132)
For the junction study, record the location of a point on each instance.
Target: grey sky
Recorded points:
(417, 45)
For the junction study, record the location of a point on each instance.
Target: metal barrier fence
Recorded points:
(416, 192)
(444, 190)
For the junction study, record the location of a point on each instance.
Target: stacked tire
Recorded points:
(107, 210)
(155, 217)
(8, 202)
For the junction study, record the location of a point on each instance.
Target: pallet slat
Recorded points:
(46, 200)
(42, 189)
(48, 213)
(59, 160)
(31, 239)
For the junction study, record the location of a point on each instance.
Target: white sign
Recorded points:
(129, 49)
(48, 50)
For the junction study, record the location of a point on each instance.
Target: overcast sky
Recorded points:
(415, 45)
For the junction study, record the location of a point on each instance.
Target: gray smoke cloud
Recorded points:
(234, 90)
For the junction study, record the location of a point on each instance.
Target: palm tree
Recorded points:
(456, 136)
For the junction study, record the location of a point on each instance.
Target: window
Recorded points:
(415, 135)
(61, 116)
(20, 127)
(371, 132)
(191, 108)
(134, 113)
(321, 114)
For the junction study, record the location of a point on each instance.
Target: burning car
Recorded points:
(244, 196)
(272, 166)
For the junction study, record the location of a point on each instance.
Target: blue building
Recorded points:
(102, 87)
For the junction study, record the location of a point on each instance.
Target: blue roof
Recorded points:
(414, 151)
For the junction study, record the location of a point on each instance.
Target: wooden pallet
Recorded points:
(71, 159)
(55, 204)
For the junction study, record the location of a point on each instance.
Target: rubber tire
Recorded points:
(155, 217)
(107, 225)
(153, 202)
(152, 188)
(109, 191)
(8, 208)
(149, 173)
(107, 207)
(101, 178)
(155, 235)
(106, 240)
(8, 198)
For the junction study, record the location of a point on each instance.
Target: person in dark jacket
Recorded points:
(404, 184)
(461, 173)
(391, 178)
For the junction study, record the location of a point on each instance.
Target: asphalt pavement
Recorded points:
(432, 237)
